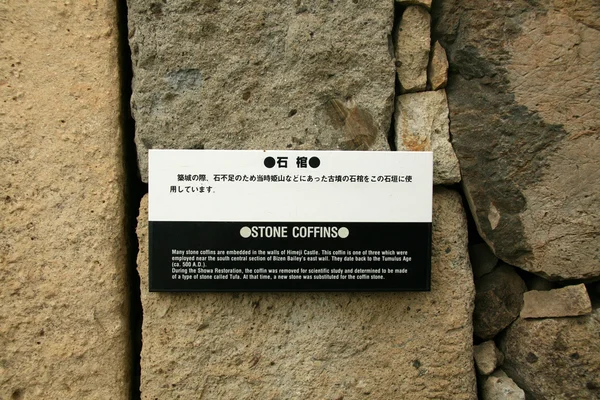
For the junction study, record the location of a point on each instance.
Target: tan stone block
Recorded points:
(63, 295)
(570, 301)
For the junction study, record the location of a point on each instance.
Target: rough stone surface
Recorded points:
(554, 358)
(317, 345)
(482, 258)
(570, 301)
(413, 41)
(487, 357)
(63, 295)
(524, 97)
(421, 121)
(438, 67)
(424, 3)
(501, 388)
(261, 75)
(498, 301)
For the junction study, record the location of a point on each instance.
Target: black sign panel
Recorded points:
(279, 256)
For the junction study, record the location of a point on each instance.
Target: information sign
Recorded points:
(251, 220)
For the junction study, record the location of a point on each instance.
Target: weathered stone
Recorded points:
(498, 300)
(524, 98)
(487, 357)
(501, 388)
(438, 67)
(266, 75)
(424, 3)
(482, 258)
(413, 40)
(63, 294)
(554, 358)
(317, 345)
(422, 125)
(570, 301)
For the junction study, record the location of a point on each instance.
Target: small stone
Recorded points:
(487, 357)
(570, 301)
(438, 67)
(424, 3)
(482, 258)
(501, 388)
(498, 300)
(422, 125)
(554, 358)
(413, 40)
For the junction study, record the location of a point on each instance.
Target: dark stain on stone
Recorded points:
(156, 8)
(184, 79)
(502, 146)
(592, 385)
(416, 364)
(531, 358)
(355, 122)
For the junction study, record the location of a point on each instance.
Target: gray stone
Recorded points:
(438, 67)
(413, 41)
(554, 358)
(570, 301)
(270, 75)
(498, 300)
(524, 98)
(487, 357)
(317, 345)
(482, 258)
(422, 125)
(501, 388)
(63, 267)
(424, 3)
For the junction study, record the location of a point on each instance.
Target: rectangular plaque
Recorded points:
(253, 220)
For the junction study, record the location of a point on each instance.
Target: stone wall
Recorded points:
(506, 96)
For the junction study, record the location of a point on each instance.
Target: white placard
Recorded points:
(237, 185)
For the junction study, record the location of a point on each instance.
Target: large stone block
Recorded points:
(524, 98)
(317, 345)
(63, 294)
(261, 75)
(554, 358)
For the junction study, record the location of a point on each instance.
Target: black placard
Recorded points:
(215, 256)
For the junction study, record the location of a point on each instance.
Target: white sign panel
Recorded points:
(240, 220)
